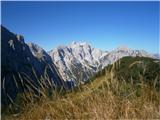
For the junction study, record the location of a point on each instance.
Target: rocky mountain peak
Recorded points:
(81, 59)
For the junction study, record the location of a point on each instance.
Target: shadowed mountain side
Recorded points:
(21, 70)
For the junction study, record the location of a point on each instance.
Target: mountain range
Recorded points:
(79, 60)
(26, 65)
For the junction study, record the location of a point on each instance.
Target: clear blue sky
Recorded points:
(106, 25)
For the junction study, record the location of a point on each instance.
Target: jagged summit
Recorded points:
(76, 59)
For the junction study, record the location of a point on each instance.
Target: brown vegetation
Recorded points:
(104, 98)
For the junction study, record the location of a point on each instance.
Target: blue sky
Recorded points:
(105, 25)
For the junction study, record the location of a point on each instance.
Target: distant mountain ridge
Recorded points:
(78, 61)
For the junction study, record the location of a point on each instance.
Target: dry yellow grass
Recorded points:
(104, 98)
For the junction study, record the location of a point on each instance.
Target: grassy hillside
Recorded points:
(136, 70)
(127, 89)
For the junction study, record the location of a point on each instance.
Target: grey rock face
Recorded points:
(79, 61)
